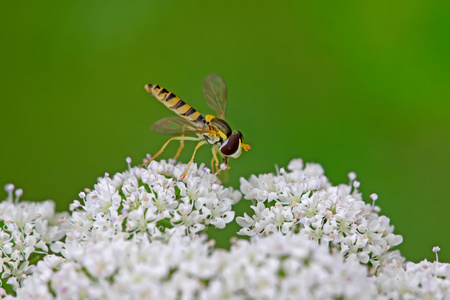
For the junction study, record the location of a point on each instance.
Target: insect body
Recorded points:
(209, 129)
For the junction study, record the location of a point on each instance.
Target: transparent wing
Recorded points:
(215, 93)
(176, 126)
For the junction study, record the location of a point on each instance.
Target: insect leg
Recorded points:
(225, 161)
(201, 143)
(179, 138)
(212, 164)
(214, 159)
(181, 145)
(179, 149)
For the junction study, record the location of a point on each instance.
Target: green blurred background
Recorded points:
(355, 86)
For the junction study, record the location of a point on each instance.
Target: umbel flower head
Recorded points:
(150, 202)
(304, 201)
(28, 232)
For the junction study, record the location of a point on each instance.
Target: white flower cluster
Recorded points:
(282, 267)
(424, 280)
(303, 200)
(149, 202)
(28, 232)
(137, 235)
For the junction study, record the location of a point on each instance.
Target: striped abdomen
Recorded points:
(174, 103)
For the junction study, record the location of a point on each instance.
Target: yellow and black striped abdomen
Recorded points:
(174, 103)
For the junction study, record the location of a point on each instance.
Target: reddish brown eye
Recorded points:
(231, 145)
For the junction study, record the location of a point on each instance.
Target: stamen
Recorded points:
(352, 176)
(19, 193)
(128, 160)
(74, 205)
(374, 198)
(9, 188)
(436, 249)
(147, 158)
(107, 183)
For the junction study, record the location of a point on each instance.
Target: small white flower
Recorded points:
(295, 165)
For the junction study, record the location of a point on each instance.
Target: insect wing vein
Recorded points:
(176, 126)
(215, 93)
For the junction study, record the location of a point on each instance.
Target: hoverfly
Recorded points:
(209, 129)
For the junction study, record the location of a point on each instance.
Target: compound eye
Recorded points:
(231, 145)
